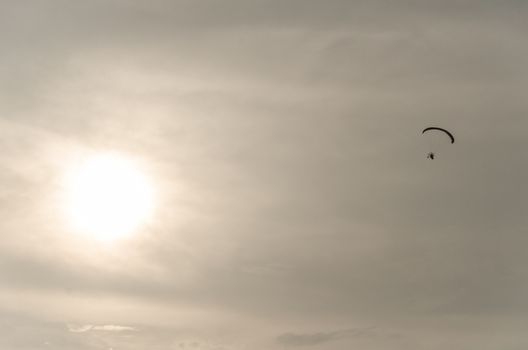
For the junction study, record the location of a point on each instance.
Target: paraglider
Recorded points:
(431, 155)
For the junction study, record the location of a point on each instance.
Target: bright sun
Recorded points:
(108, 197)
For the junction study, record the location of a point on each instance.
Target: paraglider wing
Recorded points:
(440, 129)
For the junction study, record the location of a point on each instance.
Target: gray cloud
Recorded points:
(311, 339)
(284, 136)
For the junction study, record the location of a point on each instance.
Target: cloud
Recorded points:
(293, 127)
(106, 328)
(311, 339)
(26, 331)
(79, 329)
(113, 328)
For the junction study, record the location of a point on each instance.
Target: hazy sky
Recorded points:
(296, 208)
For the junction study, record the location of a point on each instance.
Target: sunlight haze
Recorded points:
(108, 197)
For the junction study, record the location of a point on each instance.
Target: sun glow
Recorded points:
(108, 197)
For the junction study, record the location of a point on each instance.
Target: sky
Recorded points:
(295, 207)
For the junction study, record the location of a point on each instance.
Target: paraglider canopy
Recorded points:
(440, 129)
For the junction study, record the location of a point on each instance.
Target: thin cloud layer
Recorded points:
(284, 137)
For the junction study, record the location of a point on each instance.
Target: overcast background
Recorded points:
(297, 209)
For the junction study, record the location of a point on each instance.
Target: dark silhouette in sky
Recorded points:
(440, 129)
